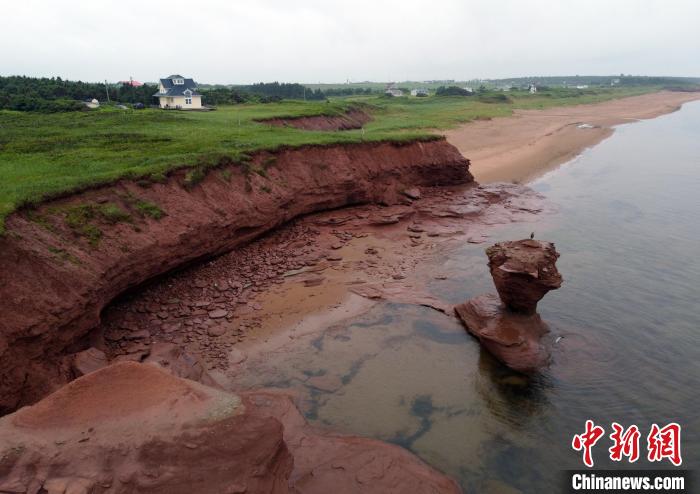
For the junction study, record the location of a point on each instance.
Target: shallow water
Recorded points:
(628, 313)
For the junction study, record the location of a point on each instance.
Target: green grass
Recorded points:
(113, 213)
(80, 219)
(146, 208)
(46, 155)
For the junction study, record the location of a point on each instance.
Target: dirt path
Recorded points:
(532, 142)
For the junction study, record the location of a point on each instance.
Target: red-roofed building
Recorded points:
(131, 83)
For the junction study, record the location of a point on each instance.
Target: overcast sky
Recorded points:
(236, 41)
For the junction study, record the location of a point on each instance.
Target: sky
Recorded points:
(311, 41)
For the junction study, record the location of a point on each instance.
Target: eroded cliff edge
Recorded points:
(64, 261)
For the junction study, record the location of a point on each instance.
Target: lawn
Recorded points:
(44, 155)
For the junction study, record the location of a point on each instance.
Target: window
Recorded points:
(188, 101)
(178, 82)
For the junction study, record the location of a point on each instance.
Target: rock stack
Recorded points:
(510, 328)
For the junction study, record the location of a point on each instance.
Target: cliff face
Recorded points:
(63, 262)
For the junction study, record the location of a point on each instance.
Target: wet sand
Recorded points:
(532, 142)
(307, 276)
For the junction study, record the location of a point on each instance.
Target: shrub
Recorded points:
(452, 91)
(494, 98)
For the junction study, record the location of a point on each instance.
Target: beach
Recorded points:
(531, 142)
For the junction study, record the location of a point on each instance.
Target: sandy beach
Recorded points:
(531, 142)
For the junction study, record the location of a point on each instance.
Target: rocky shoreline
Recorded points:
(64, 261)
(136, 428)
(219, 309)
(200, 323)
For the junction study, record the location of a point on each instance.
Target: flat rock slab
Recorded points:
(218, 313)
(216, 331)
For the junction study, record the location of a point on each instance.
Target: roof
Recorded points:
(177, 89)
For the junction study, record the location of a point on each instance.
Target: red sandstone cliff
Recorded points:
(55, 283)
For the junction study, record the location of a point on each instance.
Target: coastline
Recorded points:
(530, 143)
(325, 293)
(237, 319)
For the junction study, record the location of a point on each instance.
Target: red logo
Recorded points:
(662, 443)
(624, 444)
(587, 440)
(665, 443)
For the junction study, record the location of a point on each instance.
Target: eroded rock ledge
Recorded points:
(134, 428)
(63, 262)
(353, 119)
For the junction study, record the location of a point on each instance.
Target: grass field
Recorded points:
(44, 155)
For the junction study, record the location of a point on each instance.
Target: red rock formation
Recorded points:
(353, 119)
(55, 283)
(523, 272)
(132, 428)
(513, 338)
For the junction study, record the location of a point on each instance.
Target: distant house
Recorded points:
(178, 92)
(394, 92)
(582, 86)
(419, 92)
(532, 88)
(131, 82)
(468, 89)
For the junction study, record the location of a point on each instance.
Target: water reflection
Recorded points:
(512, 398)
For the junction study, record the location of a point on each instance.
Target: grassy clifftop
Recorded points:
(43, 155)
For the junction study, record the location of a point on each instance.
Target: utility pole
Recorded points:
(107, 90)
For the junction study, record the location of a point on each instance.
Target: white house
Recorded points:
(177, 92)
(419, 92)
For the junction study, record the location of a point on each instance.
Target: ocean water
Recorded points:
(628, 230)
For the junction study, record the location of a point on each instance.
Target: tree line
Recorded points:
(54, 94)
(267, 92)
